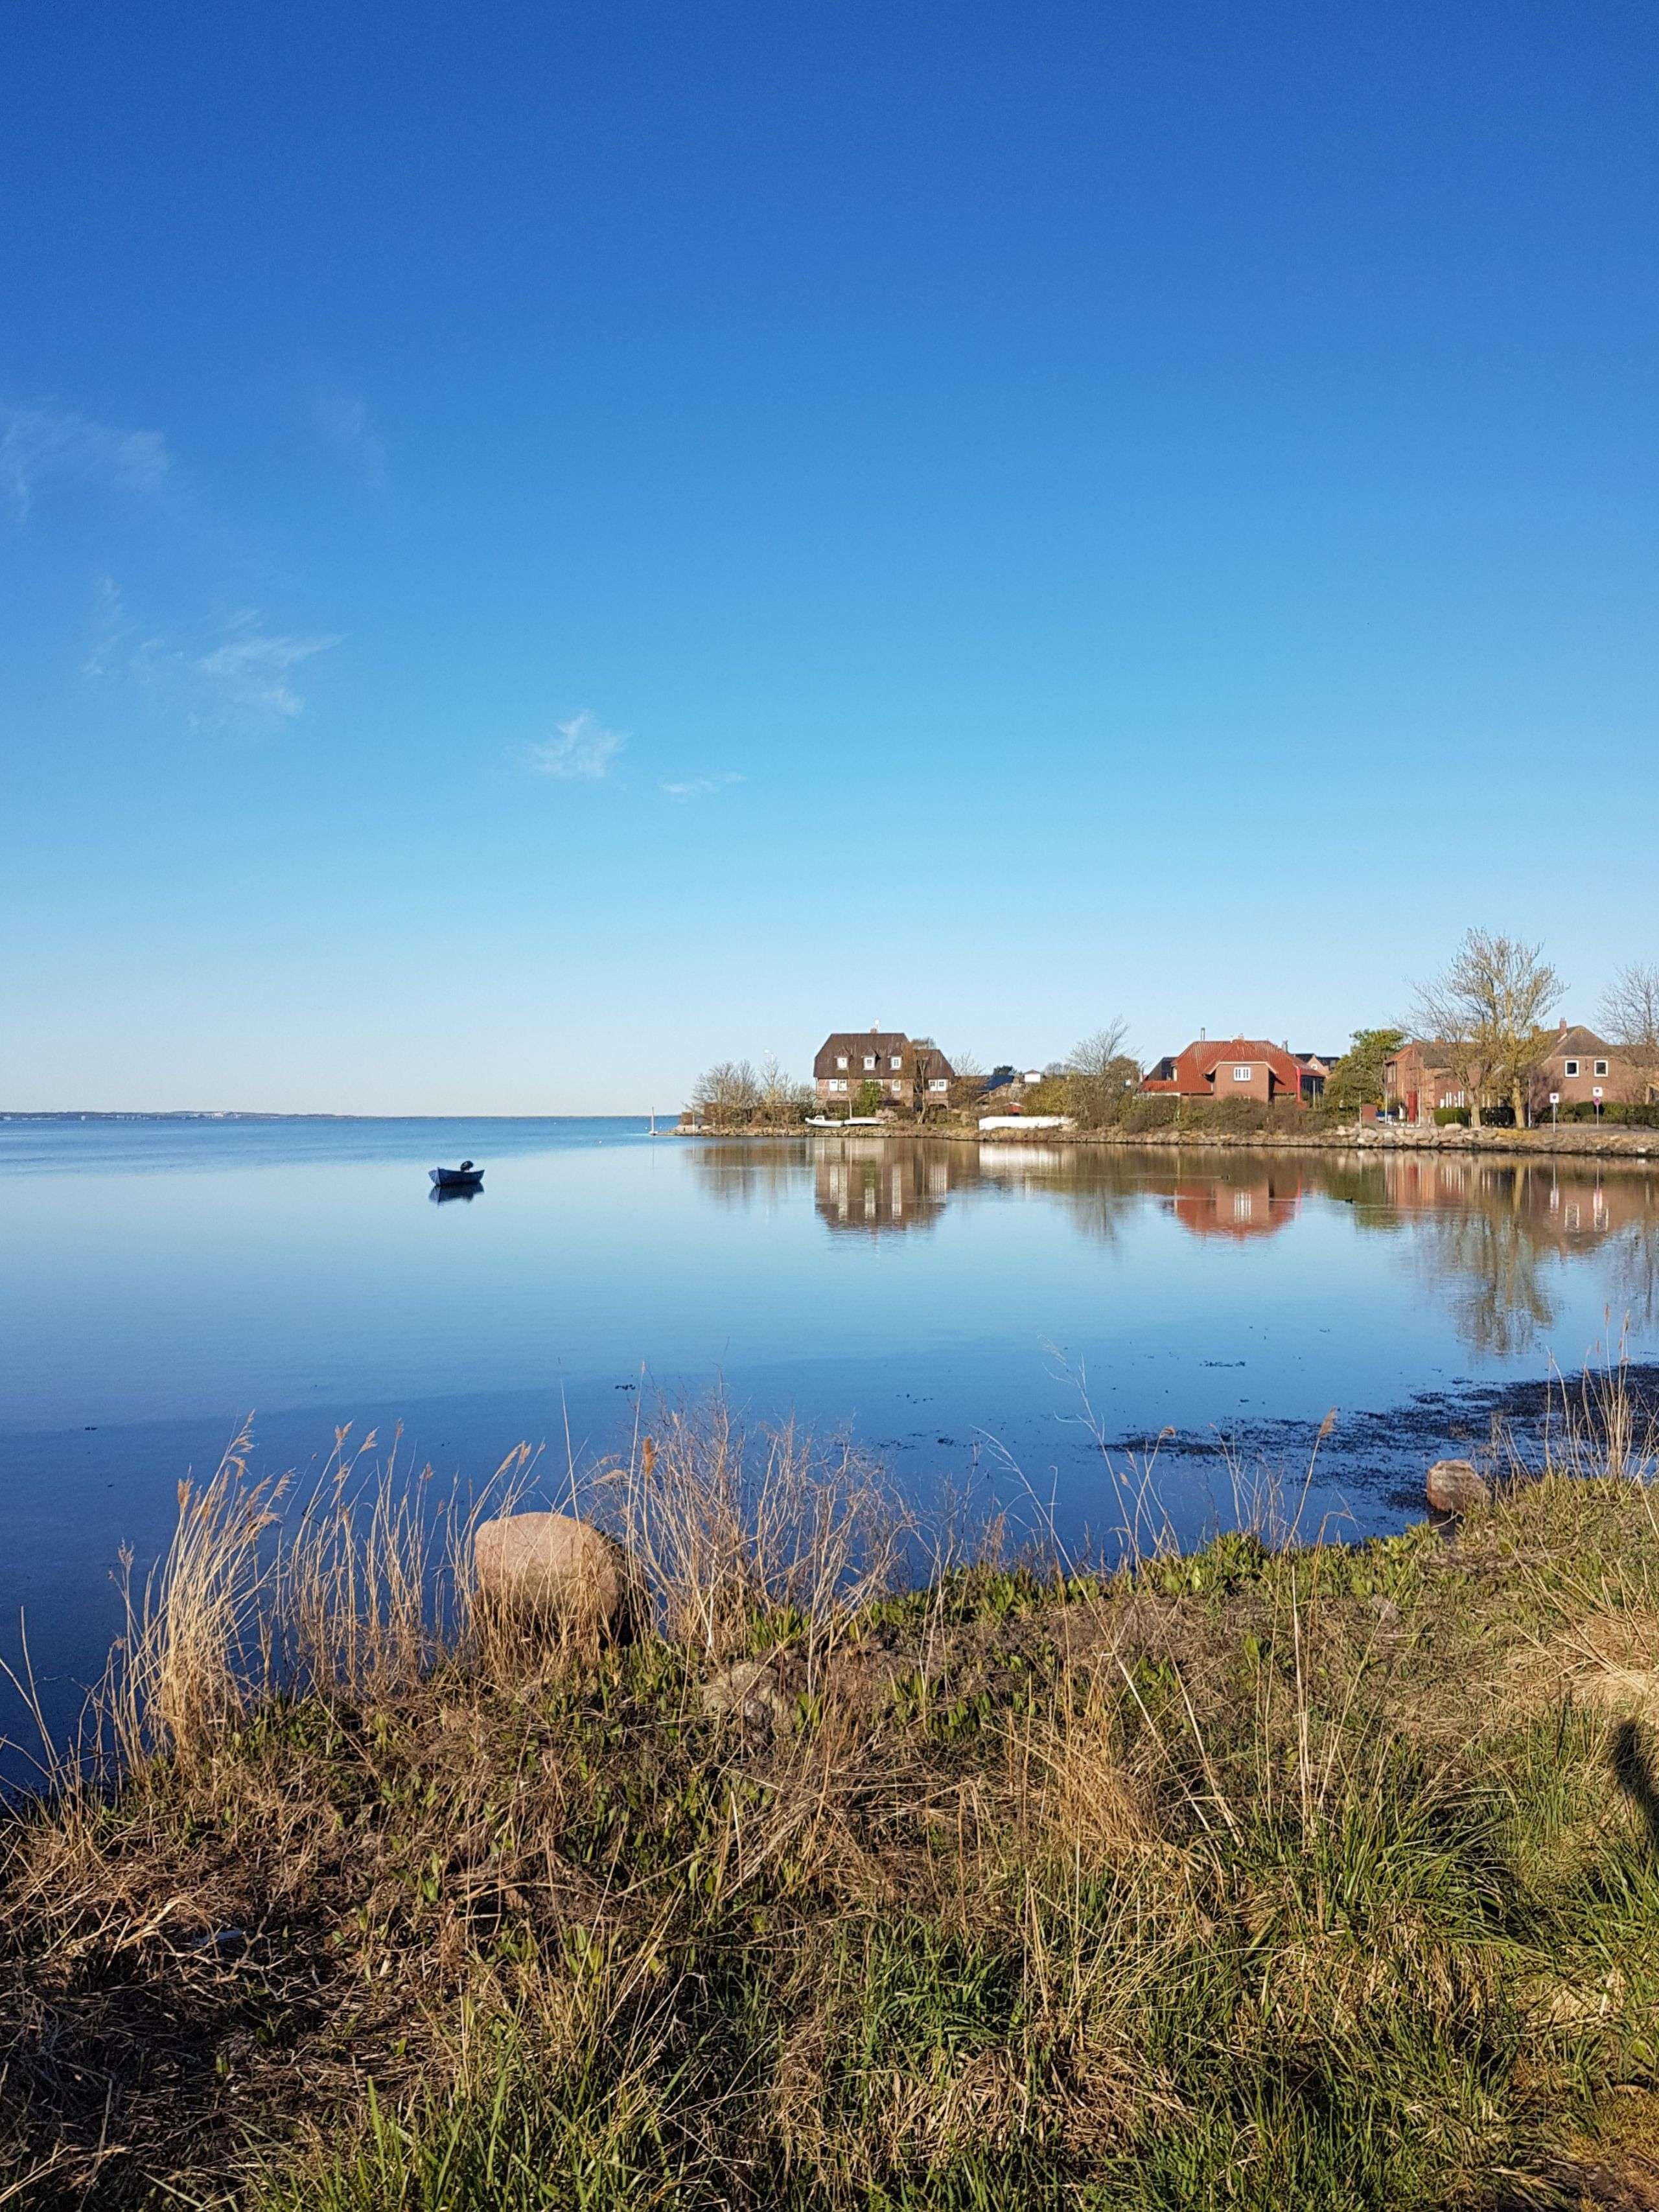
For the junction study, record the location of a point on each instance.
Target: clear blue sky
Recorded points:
(540, 547)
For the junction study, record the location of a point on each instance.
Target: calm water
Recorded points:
(160, 1281)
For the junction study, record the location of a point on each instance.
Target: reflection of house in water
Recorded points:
(1554, 1203)
(876, 1186)
(1254, 1201)
(1492, 1235)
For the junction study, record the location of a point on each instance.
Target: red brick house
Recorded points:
(1238, 1067)
(910, 1072)
(1580, 1066)
(1416, 1078)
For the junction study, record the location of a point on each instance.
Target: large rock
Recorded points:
(1456, 1485)
(558, 1570)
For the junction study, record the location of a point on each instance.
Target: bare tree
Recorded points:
(783, 1101)
(1100, 1075)
(968, 1087)
(1629, 1012)
(727, 1094)
(1491, 1010)
(926, 1061)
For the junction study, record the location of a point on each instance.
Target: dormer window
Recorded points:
(898, 1063)
(870, 1062)
(841, 1061)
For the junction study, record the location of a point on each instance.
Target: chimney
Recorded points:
(875, 1029)
(1562, 1029)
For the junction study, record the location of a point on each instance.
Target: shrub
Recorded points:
(1621, 1112)
(1157, 1112)
(1451, 1117)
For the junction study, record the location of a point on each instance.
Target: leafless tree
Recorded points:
(727, 1094)
(1100, 1075)
(1491, 1010)
(926, 1061)
(1629, 1012)
(968, 1087)
(783, 1101)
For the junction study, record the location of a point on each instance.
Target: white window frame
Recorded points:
(1244, 1074)
(1572, 1067)
(835, 1086)
(840, 1060)
(896, 1062)
(869, 1063)
(1600, 1067)
(939, 1083)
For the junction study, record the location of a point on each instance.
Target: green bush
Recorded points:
(1156, 1112)
(1451, 1117)
(1619, 1112)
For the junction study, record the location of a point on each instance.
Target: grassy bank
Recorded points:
(1316, 1877)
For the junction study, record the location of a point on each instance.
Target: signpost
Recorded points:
(1595, 1093)
(1555, 1100)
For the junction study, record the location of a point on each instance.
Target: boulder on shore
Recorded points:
(1456, 1485)
(559, 1570)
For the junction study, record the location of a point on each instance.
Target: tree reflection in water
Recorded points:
(1489, 1236)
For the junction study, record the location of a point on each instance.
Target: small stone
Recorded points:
(1456, 1485)
(559, 1569)
(746, 1691)
(1386, 1610)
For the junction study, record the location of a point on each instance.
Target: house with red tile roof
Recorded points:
(1238, 1067)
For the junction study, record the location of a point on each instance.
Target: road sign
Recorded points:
(1596, 1090)
(1555, 1099)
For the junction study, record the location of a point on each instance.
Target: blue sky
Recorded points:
(541, 548)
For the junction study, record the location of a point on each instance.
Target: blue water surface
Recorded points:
(949, 1304)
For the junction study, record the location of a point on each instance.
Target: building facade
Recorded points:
(1581, 1067)
(1577, 1066)
(912, 1074)
(1238, 1067)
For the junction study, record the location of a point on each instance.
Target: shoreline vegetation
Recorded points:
(887, 1865)
(1570, 1138)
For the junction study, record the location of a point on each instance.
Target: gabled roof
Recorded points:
(1194, 1068)
(1579, 1041)
(884, 1044)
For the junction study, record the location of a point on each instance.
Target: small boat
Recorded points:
(464, 1178)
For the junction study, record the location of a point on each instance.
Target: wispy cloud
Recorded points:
(698, 787)
(580, 750)
(250, 671)
(45, 443)
(112, 632)
(346, 424)
(242, 683)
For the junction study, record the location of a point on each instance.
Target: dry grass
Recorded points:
(730, 1531)
(1255, 1876)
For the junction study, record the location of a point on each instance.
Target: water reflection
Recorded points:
(1490, 1237)
(871, 1187)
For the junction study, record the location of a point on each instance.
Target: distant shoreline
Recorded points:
(211, 1114)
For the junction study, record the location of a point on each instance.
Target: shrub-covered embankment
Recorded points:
(1323, 1877)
